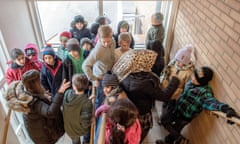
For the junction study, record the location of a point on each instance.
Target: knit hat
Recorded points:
(184, 55)
(79, 18)
(66, 34)
(203, 75)
(110, 79)
(157, 18)
(73, 44)
(48, 50)
(85, 40)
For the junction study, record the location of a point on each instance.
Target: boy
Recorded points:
(197, 95)
(156, 31)
(87, 46)
(62, 51)
(18, 66)
(51, 72)
(124, 41)
(102, 58)
(77, 110)
(73, 63)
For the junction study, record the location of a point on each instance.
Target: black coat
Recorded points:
(44, 123)
(142, 89)
(79, 34)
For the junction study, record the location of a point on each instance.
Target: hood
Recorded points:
(17, 99)
(71, 99)
(119, 26)
(34, 46)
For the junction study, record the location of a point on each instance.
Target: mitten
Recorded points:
(103, 108)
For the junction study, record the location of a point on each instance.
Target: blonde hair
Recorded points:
(124, 36)
(105, 31)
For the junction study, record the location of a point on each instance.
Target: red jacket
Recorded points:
(15, 72)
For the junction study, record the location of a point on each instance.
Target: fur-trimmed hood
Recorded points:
(17, 99)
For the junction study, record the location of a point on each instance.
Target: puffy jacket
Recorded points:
(35, 59)
(15, 72)
(142, 88)
(79, 34)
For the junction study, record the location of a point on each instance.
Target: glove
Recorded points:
(230, 112)
(103, 108)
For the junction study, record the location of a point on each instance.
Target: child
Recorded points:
(94, 30)
(101, 56)
(123, 126)
(73, 63)
(182, 66)
(124, 43)
(123, 26)
(156, 31)
(79, 28)
(87, 46)
(51, 72)
(62, 51)
(18, 66)
(77, 105)
(42, 118)
(31, 52)
(197, 95)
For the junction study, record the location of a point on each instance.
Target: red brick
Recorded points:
(221, 62)
(235, 78)
(235, 15)
(214, 35)
(201, 15)
(230, 62)
(211, 24)
(237, 102)
(205, 3)
(213, 1)
(236, 58)
(227, 19)
(224, 75)
(219, 22)
(234, 35)
(238, 72)
(223, 7)
(199, 6)
(235, 89)
(208, 13)
(216, 46)
(215, 10)
(226, 48)
(236, 27)
(222, 34)
(207, 36)
(204, 25)
(212, 59)
(233, 4)
(234, 45)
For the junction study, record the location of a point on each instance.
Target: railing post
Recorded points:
(6, 126)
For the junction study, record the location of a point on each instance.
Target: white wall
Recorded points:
(15, 23)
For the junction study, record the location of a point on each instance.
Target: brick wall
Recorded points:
(213, 27)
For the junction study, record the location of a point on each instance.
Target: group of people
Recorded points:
(54, 94)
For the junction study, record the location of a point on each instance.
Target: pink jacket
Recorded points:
(34, 59)
(132, 134)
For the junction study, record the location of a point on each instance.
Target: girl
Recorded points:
(42, 118)
(31, 52)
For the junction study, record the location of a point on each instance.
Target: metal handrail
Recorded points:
(236, 120)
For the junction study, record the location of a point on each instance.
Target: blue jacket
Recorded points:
(79, 34)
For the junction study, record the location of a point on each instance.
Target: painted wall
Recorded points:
(213, 27)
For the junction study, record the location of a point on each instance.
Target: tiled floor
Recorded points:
(157, 132)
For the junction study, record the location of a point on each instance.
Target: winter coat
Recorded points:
(155, 33)
(68, 67)
(118, 33)
(51, 77)
(142, 89)
(79, 107)
(15, 72)
(35, 59)
(79, 34)
(183, 74)
(43, 121)
(62, 52)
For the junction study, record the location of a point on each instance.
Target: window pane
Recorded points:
(137, 13)
(56, 16)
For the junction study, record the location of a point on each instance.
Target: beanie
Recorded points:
(48, 50)
(203, 75)
(184, 55)
(86, 40)
(79, 18)
(157, 18)
(66, 34)
(73, 44)
(110, 79)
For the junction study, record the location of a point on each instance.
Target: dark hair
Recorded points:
(122, 112)
(15, 53)
(80, 81)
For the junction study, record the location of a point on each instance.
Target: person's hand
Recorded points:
(64, 86)
(103, 108)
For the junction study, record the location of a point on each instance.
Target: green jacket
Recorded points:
(77, 112)
(154, 33)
